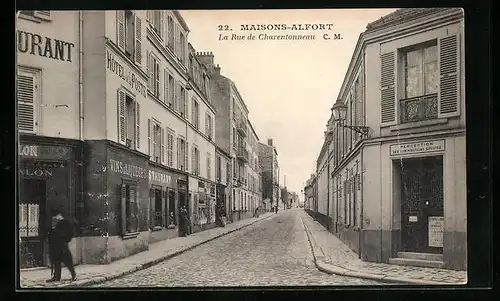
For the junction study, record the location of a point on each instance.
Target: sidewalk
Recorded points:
(332, 256)
(92, 274)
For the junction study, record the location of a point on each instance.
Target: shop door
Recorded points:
(32, 223)
(422, 204)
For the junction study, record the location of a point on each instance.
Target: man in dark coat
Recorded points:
(184, 221)
(60, 235)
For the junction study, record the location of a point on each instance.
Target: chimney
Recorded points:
(270, 142)
(206, 58)
(217, 70)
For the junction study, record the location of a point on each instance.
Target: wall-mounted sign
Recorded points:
(413, 219)
(35, 44)
(44, 152)
(125, 73)
(35, 172)
(417, 147)
(159, 177)
(436, 228)
(127, 169)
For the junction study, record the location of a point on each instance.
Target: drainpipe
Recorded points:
(80, 72)
(328, 189)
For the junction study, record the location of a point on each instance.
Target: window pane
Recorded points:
(430, 78)
(412, 79)
(413, 58)
(430, 54)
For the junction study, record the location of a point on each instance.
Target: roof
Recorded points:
(253, 130)
(404, 15)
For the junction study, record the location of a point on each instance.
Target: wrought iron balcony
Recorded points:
(419, 108)
(242, 154)
(241, 126)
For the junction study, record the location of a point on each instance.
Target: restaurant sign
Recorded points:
(417, 147)
(44, 152)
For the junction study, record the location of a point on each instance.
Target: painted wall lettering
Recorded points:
(28, 150)
(125, 73)
(35, 172)
(35, 44)
(160, 177)
(417, 147)
(128, 169)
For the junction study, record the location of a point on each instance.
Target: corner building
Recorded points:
(398, 194)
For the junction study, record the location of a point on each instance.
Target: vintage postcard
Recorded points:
(241, 148)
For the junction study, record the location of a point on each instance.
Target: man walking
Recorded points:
(60, 235)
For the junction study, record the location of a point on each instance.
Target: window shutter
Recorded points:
(150, 147)
(170, 148)
(120, 29)
(26, 102)
(176, 92)
(186, 153)
(121, 117)
(137, 125)
(151, 211)
(449, 85)
(165, 86)
(149, 69)
(179, 161)
(162, 24)
(123, 208)
(157, 78)
(137, 214)
(138, 40)
(193, 160)
(186, 112)
(387, 82)
(42, 14)
(193, 112)
(162, 146)
(149, 17)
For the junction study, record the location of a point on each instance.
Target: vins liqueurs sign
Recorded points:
(36, 44)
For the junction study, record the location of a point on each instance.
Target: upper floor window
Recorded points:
(182, 47)
(156, 137)
(195, 158)
(27, 101)
(208, 126)
(36, 15)
(171, 30)
(235, 138)
(195, 115)
(156, 19)
(182, 154)
(228, 171)
(128, 120)
(153, 70)
(129, 34)
(209, 166)
(182, 103)
(170, 147)
(218, 168)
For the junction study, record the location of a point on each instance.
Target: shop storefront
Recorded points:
(423, 202)
(49, 178)
(166, 187)
(204, 203)
(117, 190)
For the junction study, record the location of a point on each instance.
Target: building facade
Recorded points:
(309, 194)
(223, 170)
(254, 170)
(268, 156)
(232, 132)
(111, 135)
(399, 192)
(48, 77)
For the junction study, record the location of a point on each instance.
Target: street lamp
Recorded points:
(339, 111)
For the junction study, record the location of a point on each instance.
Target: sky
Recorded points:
(288, 86)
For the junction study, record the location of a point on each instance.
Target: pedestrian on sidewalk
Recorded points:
(184, 222)
(256, 213)
(59, 236)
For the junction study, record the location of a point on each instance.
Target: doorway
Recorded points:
(422, 204)
(32, 223)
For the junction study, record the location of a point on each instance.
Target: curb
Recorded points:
(337, 270)
(138, 267)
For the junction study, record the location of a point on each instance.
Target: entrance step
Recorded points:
(421, 256)
(417, 262)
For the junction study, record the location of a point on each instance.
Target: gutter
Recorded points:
(80, 72)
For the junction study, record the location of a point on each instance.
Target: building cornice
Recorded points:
(181, 20)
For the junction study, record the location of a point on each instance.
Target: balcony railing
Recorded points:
(419, 108)
(243, 154)
(241, 126)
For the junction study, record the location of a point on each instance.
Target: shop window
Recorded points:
(27, 101)
(128, 120)
(172, 216)
(129, 207)
(158, 208)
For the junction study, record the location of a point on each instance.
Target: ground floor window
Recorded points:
(172, 217)
(129, 197)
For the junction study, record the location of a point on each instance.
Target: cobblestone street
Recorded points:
(274, 252)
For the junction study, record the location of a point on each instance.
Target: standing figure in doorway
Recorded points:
(185, 224)
(60, 235)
